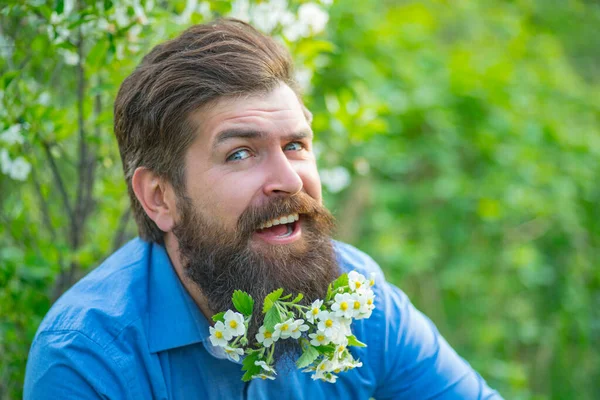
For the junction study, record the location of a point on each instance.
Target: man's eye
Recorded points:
(293, 146)
(239, 155)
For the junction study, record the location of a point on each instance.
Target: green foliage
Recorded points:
(309, 354)
(270, 299)
(219, 317)
(243, 302)
(249, 367)
(459, 145)
(272, 318)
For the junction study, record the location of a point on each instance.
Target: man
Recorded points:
(217, 153)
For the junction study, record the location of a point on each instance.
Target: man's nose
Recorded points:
(282, 177)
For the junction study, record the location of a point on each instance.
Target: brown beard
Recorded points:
(220, 261)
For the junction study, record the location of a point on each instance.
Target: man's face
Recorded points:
(251, 165)
(249, 151)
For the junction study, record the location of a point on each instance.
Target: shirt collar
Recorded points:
(174, 319)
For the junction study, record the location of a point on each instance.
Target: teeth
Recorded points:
(282, 220)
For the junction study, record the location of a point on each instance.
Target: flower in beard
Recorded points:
(220, 259)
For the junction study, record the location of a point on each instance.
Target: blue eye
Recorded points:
(239, 155)
(294, 146)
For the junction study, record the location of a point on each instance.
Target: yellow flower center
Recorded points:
(320, 338)
(322, 367)
(372, 282)
(284, 327)
(233, 324)
(315, 311)
(268, 335)
(218, 334)
(337, 371)
(358, 284)
(370, 301)
(356, 305)
(344, 306)
(329, 323)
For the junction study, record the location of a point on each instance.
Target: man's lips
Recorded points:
(281, 233)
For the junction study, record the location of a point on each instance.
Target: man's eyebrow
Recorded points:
(229, 134)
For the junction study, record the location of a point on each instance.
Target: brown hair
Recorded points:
(222, 58)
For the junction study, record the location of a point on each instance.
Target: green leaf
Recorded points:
(341, 281)
(249, 366)
(219, 317)
(271, 299)
(243, 302)
(272, 318)
(330, 348)
(353, 341)
(298, 298)
(287, 296)
(329, 292)
(309, 355)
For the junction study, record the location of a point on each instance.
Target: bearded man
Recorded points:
(217, 153)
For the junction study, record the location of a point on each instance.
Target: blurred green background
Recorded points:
(458, 142)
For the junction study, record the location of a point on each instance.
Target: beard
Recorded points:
(220, 261)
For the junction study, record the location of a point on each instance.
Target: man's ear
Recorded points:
(156, 196)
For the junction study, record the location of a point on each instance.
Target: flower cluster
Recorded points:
(323, 328)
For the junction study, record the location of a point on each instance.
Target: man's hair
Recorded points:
(223, 58)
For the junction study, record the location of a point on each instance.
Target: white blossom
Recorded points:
(12, 135)
(219, 335)
(283, 330)
(298, 326)
(356, 281)
(315, 309)
(265, 337)
(319, 338)
(234, 323)
(335, 179)
(328, 324)
(20, 169)
(342, 307)
(265, 366)
(234, 353)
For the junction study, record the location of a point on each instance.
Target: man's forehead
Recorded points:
(280, 106)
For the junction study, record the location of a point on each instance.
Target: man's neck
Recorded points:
(173, 251)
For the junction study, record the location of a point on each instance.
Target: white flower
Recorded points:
(19, 169)
(323, 371)
(340, 349)
(356, 281)
(349, 363)
(343, 305)
(359, 305)
(265, 337)
(313, 16)
(328, 324)
(369, 305)
(319, 339)
(265, 366)
(284, 329)
(234, 353)
(372, 279)
(219, 335)
(12, 135)
(70, 57)
(315, 309)
(298, 326)
(264, 376)
(234, 322)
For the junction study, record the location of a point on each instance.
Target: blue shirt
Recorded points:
(130, 330)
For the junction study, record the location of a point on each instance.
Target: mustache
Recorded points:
(300, 203)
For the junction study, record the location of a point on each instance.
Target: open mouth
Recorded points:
(280, 229)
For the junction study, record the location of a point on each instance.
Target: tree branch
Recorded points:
(58, 179)
(43, 206)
